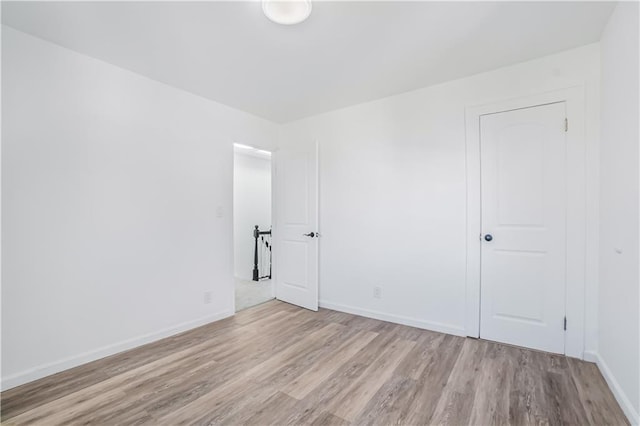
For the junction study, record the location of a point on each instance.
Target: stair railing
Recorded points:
(261, 254)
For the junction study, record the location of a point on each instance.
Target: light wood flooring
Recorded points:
(279, 364)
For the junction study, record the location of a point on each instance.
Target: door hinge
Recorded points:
(566, 124)
(565, 323)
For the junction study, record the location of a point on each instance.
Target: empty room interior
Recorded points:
(307, 212)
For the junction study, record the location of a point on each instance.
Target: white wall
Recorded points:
(393, 191)
(619, 321)
(251, 207)
(110, 187)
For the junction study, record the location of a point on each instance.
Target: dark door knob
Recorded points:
(310, 234)
(488, 237)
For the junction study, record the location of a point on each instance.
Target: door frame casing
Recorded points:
(576, 209)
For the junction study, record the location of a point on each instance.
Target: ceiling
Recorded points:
(345, 53)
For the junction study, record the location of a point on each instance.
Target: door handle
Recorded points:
(310, 234)
(488, 237)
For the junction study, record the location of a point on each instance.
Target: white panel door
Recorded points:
(523, 254)
(296, 226)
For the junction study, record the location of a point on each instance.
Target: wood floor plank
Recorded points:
(281, 409)
(270, 413)
(323, 419)
(454, 406)
(222, 368)
(491, 402)
(72, 406)
(594, 392)
(528, 402)
(435, 360)
(422, 355)
(325, 393)
(562, 393)
(299, 387)
(354, 397)
(159, 395)
(235, 409)
(228, 367)
(389, 404)
(303, 414)
(237, 385)
(119, 384)
(277, 364)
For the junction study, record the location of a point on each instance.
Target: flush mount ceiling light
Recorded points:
(287, 12)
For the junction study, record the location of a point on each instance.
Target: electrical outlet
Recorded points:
(377, 292)
(207, 297)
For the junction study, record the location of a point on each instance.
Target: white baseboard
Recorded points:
(398, 319)
(83, 358)
(619, 394)
(590, 356)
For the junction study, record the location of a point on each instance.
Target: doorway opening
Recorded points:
(252, 226)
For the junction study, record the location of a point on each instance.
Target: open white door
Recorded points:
(296, 225)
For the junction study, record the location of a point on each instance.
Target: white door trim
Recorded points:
(274, 225)
(576, 209)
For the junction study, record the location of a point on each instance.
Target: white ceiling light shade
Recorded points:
(287, 12)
